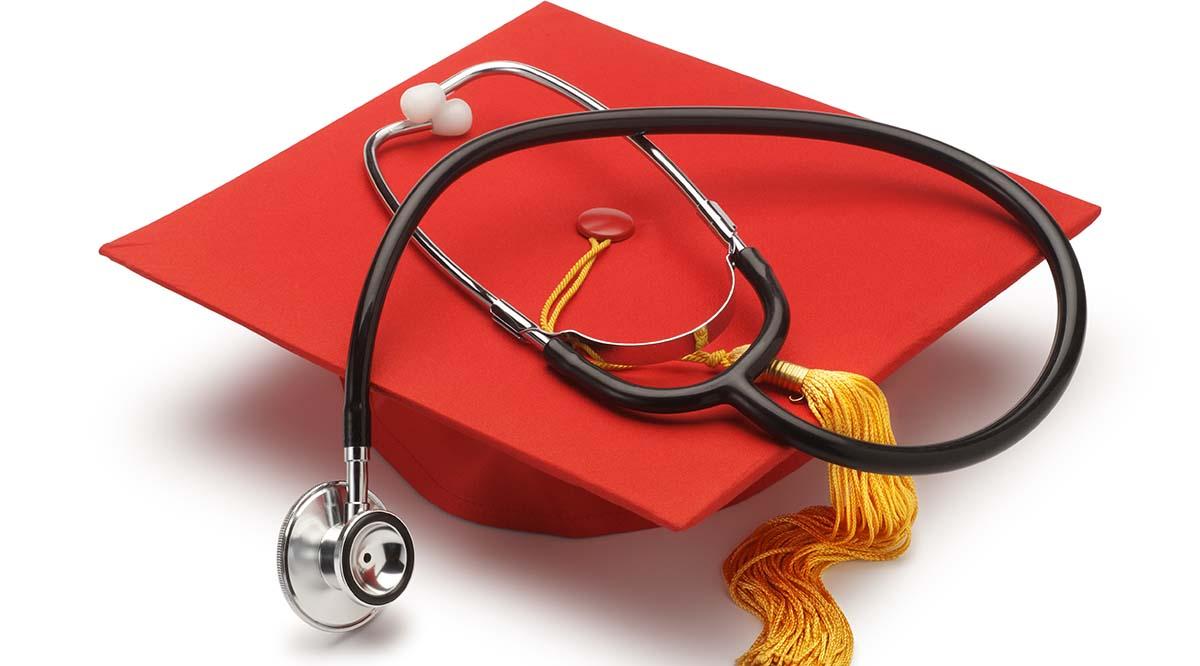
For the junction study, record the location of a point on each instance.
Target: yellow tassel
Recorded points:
(775, 573)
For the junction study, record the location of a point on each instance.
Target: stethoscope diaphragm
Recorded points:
(336, 570)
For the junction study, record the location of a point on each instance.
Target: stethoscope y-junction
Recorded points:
(342, 555)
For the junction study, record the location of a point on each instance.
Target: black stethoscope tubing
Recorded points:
(735, 385)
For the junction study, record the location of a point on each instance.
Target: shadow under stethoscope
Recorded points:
(284, 420)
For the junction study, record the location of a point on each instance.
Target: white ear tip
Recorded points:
(453, 118)
(419, 103)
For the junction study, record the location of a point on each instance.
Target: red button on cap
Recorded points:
(605, 223)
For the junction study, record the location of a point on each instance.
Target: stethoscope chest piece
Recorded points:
(336, 570)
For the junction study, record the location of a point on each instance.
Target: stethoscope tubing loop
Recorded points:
(735, 385)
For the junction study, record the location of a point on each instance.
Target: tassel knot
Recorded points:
(719, 359)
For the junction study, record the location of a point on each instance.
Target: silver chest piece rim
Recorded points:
(335, 569)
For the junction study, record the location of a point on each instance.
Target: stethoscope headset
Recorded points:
(342, 556)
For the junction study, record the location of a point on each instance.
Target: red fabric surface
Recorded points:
(879, 257)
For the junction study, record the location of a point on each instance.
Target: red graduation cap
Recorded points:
(878, 256)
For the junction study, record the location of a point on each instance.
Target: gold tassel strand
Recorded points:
(570, 284)
(775, 573)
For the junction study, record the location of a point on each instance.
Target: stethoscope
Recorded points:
(342, 556)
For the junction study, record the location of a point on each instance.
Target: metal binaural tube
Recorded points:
(717, 221)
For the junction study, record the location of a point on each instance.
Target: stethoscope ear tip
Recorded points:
(454, 118)
(427, 103)
(420, 102)
(336, 570)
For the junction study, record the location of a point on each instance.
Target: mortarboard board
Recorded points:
(478, 424)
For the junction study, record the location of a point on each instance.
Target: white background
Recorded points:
(150, 442)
